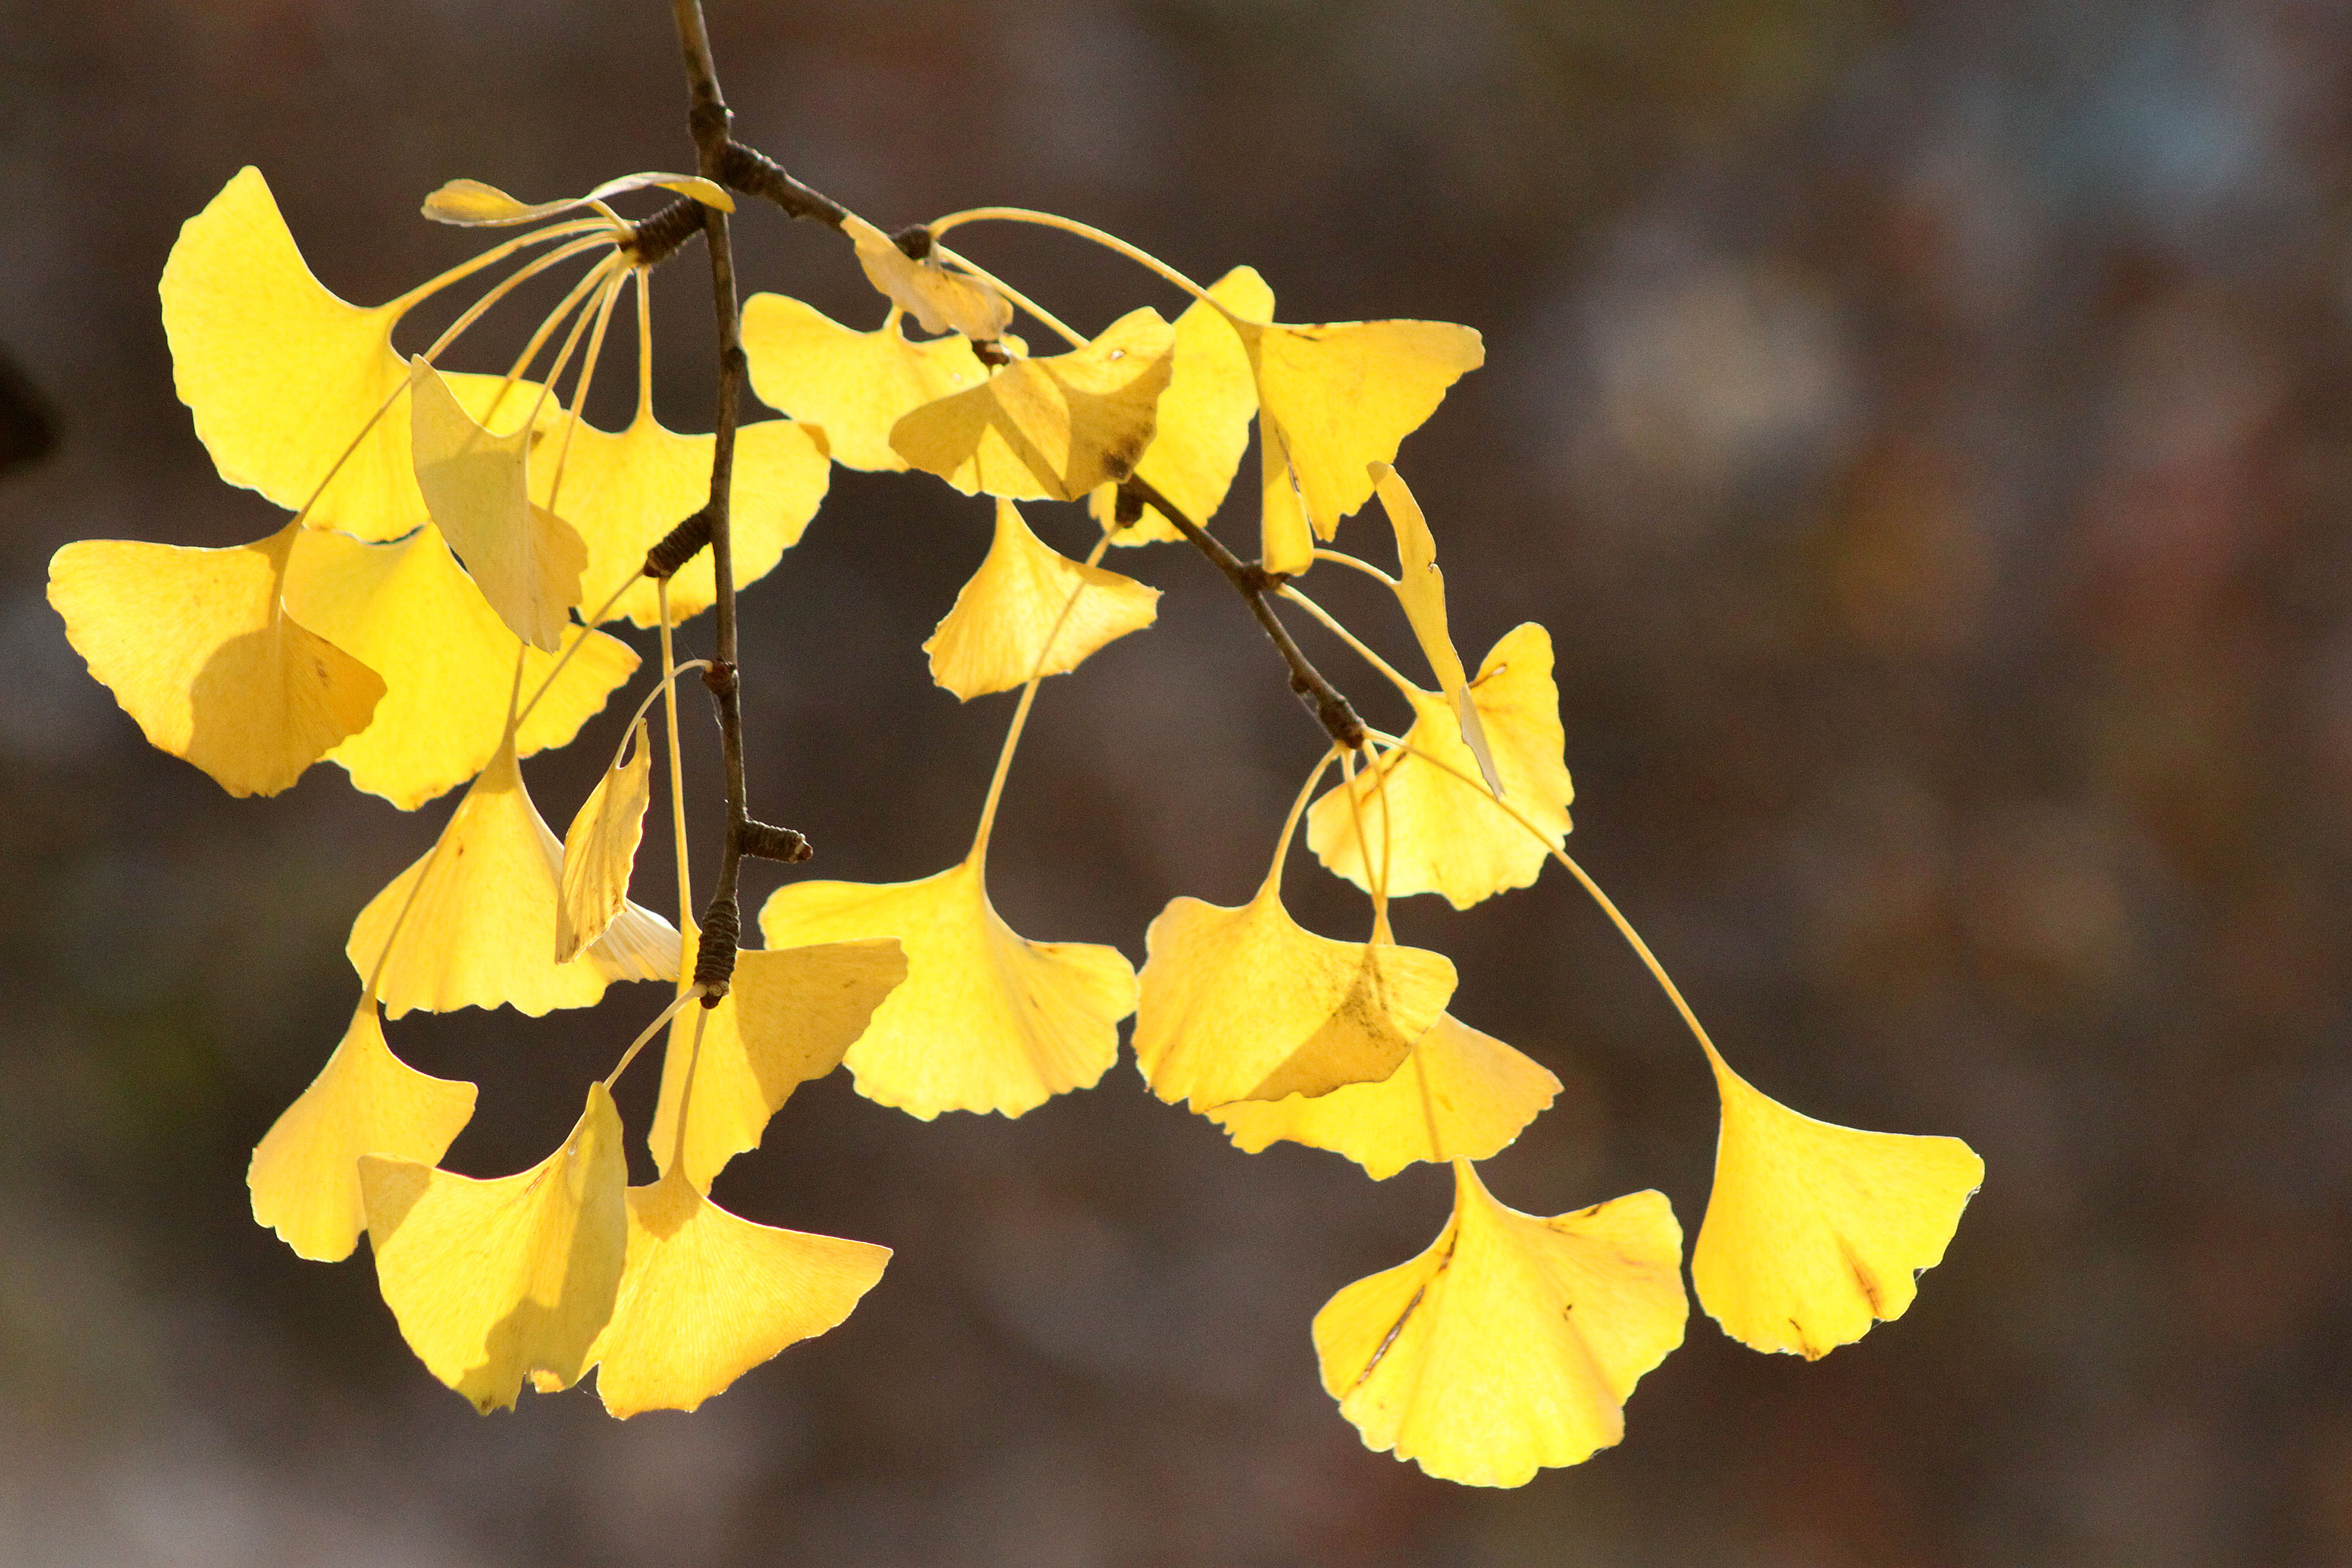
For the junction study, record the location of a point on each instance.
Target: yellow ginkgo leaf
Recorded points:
(1513, 1343)
(305, 1175)
(786, 1019)
(622, 492)
(496, 1281)
(943, 299)
(477, 485)
(1420, 587)
(600, 849)
(470, 204)
(196, 645)
(1024, 595)
(280, 374)
(1049, 429)
(410, 613)
(707, 1296)
(1247, 1004)
(1438, 826)
(1460, 1095)
(1204, 416)
(1333, 399)
(987, 1020)
(1814, 1231)
(854, 386)
(479, 931)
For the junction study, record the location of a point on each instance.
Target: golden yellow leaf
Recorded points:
(1049, 429)
(470, 204)
(280, 374)
(987, 1019)
(1333, 399)
(1245, 1004)
(707, 1296)
(787, 1019)
(600, 849)
(305, 1173)
(1513, 1343)
(1204, 416)
(1024, 594)
(494, 1280)
(408, 611)
(1460, 1095)
(622, 492)
(1815, 1231)
(1420, 587)
(943, 299)
(477, 486)
(1441, 830)
(196, 645)
(480, 931)
(854, 386)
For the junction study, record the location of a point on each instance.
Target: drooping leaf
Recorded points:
(1245, 1003)
(477, 486)
(1024, 595)
(410, 613)
(305, 1173)
(854, 386)
(600, 849)
(1052, 428)
(706, 1296)
(1442, 830)
(1813, 1231)
(197, 647)
(987, 1020)
(1514, 1342)
(788, 1019)
(496, 1281)
(943, 299)
(1460, 1095)
(1204, 417)
(1333, 399)
(479, 931)
(621, 492)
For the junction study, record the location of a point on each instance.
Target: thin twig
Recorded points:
(1253, 582)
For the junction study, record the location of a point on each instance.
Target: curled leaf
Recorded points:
(1247, 1004)
(305, 1173)
(1024, 596)
(496, 1281)
(943, 301)
(706, 1296)
(987, 1019)
(1514, 1342)
(1420, 587)
(1052, 428)
(1813, 1231)
(474, 918)
(470, 204)
(197, 647)
(1460, 1095)
(600, 849)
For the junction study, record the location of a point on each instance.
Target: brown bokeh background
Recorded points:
(1922, 427)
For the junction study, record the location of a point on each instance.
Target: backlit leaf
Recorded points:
(470, 204)
(600, 849)
(496, 1281)
(1421, 587)
(1514, 1342)
(943, 299)
(854, 386)
(1024, 594)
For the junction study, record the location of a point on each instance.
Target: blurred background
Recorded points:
(1926, 429)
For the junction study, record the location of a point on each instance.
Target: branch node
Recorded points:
(754, 173)
(714, 962)
(658, 238)
(678, 546)
(764, 841)
(720, 677)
